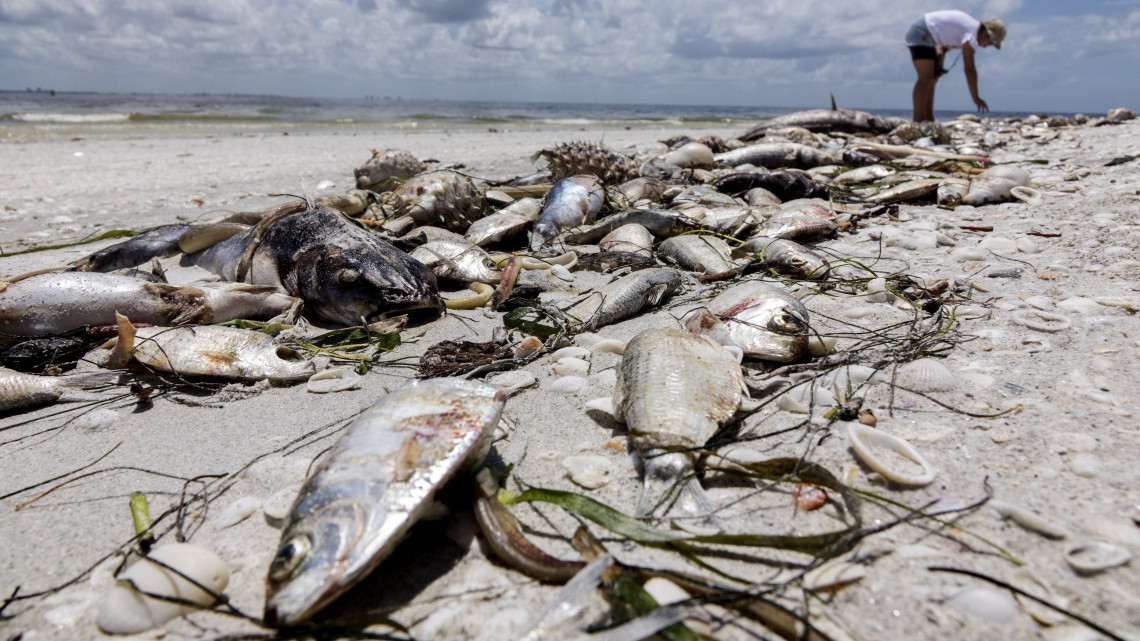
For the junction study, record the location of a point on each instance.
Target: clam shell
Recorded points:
(925, 375)
(998, 245)
(333, 380)
(869, 443)
(573, 351)
(127, 611)
(570, 366)
(1091, 557)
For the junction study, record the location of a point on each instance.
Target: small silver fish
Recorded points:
(571, 202)
(375, 483)
(632, 238)
(796, 228)
(701, 253)
(58, 302)
(787, 257)
(862, 175)
(662, 223)
(734, 220)
(765, 321)
(908, 191)
(506, 223)
(22, 390)
(207, 350)
(459, 261)
(789, 154)
(952, 190)
(625, 297)
(674, 391)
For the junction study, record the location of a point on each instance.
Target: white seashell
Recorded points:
(604, 404)
(877, 290)
(665, 592)
(573, 351)
(856, 313)
(820, 346)
(998, 245)
(589, 471)
(1040, 302)
(798, 400)
(570, 366)
(925, 375)
(1091, 557)
(986, 603)
(1041, 321)
(513, 382)
(333, 380)
(1027, 195)
(1028, 246)
(833, 574)
(1028, 519)
(560, 272)
(1086, 465)
(238, 511)
(278, 506)
(96, 420)
(568, 385)
(865, 440)
(1080, 306)
(527, 347)
(126, 611)
(608, 346)
(965, 312)
(967, 254)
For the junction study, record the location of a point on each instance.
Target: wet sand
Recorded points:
(1068, 453)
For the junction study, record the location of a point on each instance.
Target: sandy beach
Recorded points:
(1063, 448)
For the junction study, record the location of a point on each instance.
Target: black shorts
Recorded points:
(923, 53)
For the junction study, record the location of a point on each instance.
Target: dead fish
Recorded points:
(807, 207)
(862, 175)
(796, 228)
(386, 169)
(951, 191)
(995, 185)
(606, 261)
(207, 350)
(674, 391)
(343, 272)
(458, 261)
(706, 195)
(786, 257)
(760, 196)
(908, 191)
(662, 223)
(376, 482)
(444, 198)
(570, 203)
(583, 158)
(785, 184)
(625, 297)
(156, 242)
(699, 253)
(763, 320)
(734, 220)
(632, 238)
(847, 120)
(508, 222)
(24, 390)
(789, 154)
(643, 188)
(59, 302)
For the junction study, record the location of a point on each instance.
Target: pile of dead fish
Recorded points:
(731, 222)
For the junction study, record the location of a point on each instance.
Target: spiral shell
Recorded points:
(575, 158)
(385, 169)
(925, 375)
(443, 198)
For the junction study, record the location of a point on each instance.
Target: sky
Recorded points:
(1059, 55)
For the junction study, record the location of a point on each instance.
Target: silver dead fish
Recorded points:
(794, 227)
(625, 297)
(459, 261)
(662, 223)
(375, 483)
(208, 350)
(787, 257)
(632, 238)
(25, 390)
(58, 302)
(778, 155)
(570, 203)
(674, 391)
(509, 221)
(701, 253)
(763, 320)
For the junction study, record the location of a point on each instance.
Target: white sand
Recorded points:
(1068, 454)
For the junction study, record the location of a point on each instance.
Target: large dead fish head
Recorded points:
(348, 285)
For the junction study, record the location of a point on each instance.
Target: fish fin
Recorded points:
(450, 264)
(654, 294)
(833, 107)
(122, 351)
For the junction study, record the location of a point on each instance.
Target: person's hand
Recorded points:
(982, 106)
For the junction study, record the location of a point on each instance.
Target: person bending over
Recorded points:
(931, 36)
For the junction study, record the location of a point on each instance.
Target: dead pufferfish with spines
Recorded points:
(444, 198)
(385, 169)
(577, 158)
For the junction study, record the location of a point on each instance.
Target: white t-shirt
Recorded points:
(953, 28)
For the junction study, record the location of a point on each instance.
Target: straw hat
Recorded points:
(996, 29)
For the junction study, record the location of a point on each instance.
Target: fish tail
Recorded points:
(671, 491)
(124, 345)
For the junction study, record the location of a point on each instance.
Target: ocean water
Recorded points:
(24, 113)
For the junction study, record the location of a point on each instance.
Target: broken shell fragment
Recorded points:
(333, 380)
(833, 574)
(128, 611)
(1091, 557)
(871, 444)
(590, 472)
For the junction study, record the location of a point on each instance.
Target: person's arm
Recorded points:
(972, 77)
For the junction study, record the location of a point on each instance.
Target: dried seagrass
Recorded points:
(576, 158)
(386, 169)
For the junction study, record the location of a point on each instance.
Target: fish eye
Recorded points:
(786, 324)
(289, 557)
(490, 264)
(347, 276)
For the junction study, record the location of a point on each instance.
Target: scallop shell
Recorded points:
(868, 442)
(528, 346)
(925, 375)
(998, 245)
(1081, 306)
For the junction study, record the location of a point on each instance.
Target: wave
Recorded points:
(67, 118)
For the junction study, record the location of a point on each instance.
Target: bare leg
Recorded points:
(923, 96)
